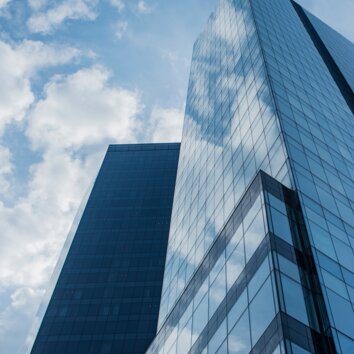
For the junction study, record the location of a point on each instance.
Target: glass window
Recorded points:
(234, 240)
(239, 336)
(335, 284)
(171, 339)
(238, 308)
(235, 264)
(281, 226)
(277, 203)
(217, 338)
(262, 310)
(259, 278)
(347, 344)
(223, 348)
(217, 292)
(217, 267)
(322, 240)
(254, 235)
(340, 306)
(328, 264)
(294, 299)
(346, 254)
(278, 349)
(201, 292)
(252, 213)
(184, 340)
(298, 350)
(289, 268)
(200, 317)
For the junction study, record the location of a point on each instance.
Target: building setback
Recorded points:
(107, 296)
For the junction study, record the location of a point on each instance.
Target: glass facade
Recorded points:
(107, 296)
(256, 289)
(230, 132)
(314, 106)
(262, 262)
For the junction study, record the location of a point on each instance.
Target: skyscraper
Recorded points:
(260, 251)
(260, 256)
(106, 299)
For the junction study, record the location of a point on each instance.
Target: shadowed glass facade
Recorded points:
(107, 297)
(262, 262)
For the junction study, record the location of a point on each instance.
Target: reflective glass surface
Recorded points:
(315, 111)
(230, 132)
(236, 303)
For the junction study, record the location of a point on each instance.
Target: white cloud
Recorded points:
(21, 298)
(118, 4)
(120, 28)
(47, 21)
(6, 168)
(18, 63)
(143, 7)
(83, 108)
(78, 116)
(166, 125)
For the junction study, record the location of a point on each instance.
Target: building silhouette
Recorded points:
(107, 296)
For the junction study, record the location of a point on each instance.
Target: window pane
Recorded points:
(217, 292)
(236, 311)
(289, 268)
(235, 264)
(281, 226)
(298, 350)
(200, 317)
(217, 338)
(262, 310)
(239, 336)
(259, 278)
(254, 235)
(340, 306)
(294, 299)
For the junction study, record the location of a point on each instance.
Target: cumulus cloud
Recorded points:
(33, 234)
(48, 20)
(18, 63)
(166, 125)
(83, 108)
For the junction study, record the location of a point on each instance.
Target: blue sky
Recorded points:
(77, 75)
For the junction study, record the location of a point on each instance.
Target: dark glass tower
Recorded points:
(107, 297)
(260, 256)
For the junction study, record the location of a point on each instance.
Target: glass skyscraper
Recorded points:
(260, 256)
(106, 299)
